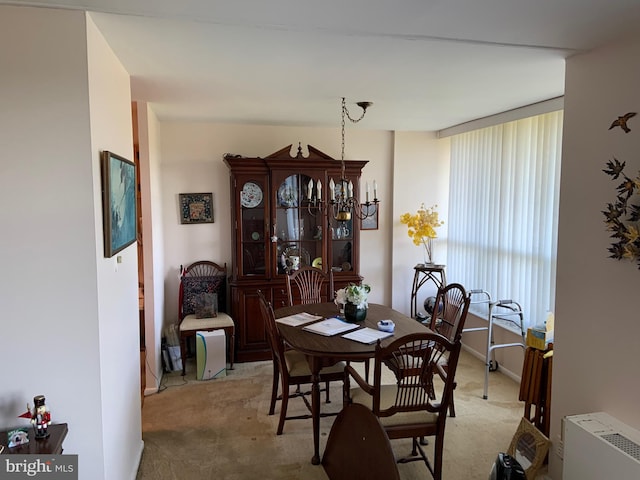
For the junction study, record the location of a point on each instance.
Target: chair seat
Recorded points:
(298, 366)
(387, 399)
(190, 322)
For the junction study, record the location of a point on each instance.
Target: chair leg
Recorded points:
(437, 457)
(327, 399)
(274, 388)
(283, 408)
(232, 342)
(183, 353)
(452, 408)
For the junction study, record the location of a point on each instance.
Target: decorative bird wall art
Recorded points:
(622, 122)
(622, 216)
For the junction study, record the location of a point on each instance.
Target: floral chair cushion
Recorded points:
(200, 296)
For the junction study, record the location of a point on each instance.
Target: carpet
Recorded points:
(219, 429)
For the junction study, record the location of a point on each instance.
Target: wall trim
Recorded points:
(539, 108)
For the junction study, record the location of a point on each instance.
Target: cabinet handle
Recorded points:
(274, 237)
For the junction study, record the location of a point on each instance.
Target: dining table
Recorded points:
(323, 351)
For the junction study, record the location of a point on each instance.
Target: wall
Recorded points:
(192, 162)
(67, 315)
(421, 175)
(596, 331)
(118, 324)
(153, 243)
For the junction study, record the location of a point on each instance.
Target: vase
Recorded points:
(428, 251)
(353, 314)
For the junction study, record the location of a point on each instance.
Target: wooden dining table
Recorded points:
(323, 351)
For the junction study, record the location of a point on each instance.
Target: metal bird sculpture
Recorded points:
(622, 122)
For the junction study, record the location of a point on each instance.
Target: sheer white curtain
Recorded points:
(503, 212)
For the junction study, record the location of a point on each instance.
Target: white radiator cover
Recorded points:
(598, 447)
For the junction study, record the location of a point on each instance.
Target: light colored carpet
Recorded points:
(219, 429)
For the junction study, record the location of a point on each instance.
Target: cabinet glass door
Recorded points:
(298, 225)
(252, 229)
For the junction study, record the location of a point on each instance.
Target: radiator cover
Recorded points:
(597, 446)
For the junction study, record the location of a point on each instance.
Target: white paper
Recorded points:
(298, 319)
(330, 326)
(367, 335)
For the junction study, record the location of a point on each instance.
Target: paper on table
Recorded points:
(298, 319)
(330, 326)
(367, 335)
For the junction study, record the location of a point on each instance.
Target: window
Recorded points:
(503, 212)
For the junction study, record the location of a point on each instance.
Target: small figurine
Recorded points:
(41, 417)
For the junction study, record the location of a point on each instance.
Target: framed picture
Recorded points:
(371, 222)
(118, 203)
(529, 446)
(196, 208)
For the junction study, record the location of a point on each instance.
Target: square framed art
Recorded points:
(118, 203)
(196, 208)
(370, 222)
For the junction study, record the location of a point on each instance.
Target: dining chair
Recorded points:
(448, 318)
(310, 283)
(290, 367)
(202, 305)
(358, 448)
(416, 405)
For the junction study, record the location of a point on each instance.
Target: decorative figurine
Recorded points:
(41, 417)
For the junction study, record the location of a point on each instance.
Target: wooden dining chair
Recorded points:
(290, 368)
(448, 319)
(311, 285)
(416, 405)
(203, 282)
(358, 447)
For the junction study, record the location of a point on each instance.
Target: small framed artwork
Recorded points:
(196, 208)
(529, 446)
(118, 203)
(370, 222)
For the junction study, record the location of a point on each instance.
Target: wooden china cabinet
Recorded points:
(279, 221)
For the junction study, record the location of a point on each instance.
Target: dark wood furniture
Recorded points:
(307, 284)
(358, 447)
(45, 446)
(416, 405)
(291, 368)
(324, 351)
(278, 220)
(425, 273)
(535, 387)
(203, 277)
(448, 319)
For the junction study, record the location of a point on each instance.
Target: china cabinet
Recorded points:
(281, 221)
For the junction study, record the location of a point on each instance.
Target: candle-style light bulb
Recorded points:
(319, 188)
(310, 189)
(332, 189)
(367, 192)
(350, 189)
(375, 190)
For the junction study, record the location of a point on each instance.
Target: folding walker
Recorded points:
(506, 310)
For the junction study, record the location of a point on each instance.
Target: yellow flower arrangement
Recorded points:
(422, 227)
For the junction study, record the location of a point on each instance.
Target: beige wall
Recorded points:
(597, 327)
(69, 315)
(192, 162)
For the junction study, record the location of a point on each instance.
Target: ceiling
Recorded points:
(425, 64)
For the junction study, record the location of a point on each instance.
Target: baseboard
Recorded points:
(139, 459)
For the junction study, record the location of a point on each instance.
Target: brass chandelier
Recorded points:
(341, 199)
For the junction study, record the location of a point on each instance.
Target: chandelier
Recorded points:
(341, 200)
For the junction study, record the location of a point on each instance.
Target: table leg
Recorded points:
(315, 365)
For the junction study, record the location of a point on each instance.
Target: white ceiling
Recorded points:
(425, 64)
